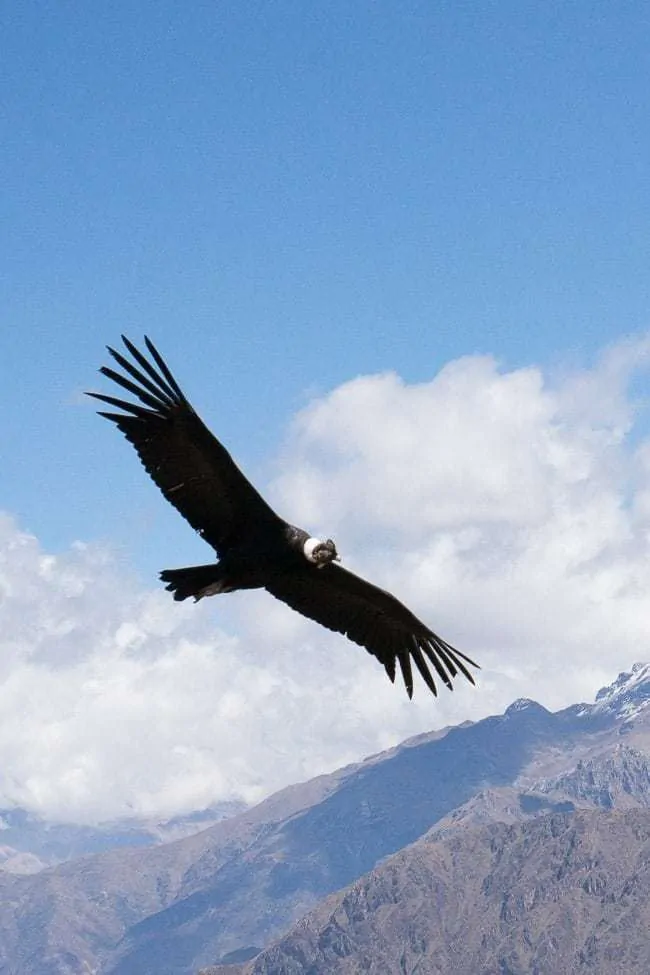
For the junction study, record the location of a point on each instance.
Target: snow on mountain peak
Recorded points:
(523, 704)
(628, 694)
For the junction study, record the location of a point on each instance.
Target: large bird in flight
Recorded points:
(256, 549)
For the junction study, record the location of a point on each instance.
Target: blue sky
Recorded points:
(285, 197)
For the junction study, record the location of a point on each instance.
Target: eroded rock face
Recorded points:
(560, 893)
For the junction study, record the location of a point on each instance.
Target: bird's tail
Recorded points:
(195, 580)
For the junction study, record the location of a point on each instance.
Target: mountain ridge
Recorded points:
(558, 893)
(247, 880)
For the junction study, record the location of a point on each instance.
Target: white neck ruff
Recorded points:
(309, 546)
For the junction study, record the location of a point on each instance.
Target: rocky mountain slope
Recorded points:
(228, 891)
(560, 893)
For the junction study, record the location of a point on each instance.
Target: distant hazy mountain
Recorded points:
(226, 892)
(29, 843)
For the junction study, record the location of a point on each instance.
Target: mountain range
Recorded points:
(474, 848)
(30, 843)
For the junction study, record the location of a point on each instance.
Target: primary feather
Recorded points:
(191, 467)
(255, 547)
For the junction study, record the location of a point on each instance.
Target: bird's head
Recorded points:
(320, 552)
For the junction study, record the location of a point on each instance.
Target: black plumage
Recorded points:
(255, 547)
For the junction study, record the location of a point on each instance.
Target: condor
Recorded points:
(255, 548)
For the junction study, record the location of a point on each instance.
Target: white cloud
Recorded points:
(117, 701)
(510, 510)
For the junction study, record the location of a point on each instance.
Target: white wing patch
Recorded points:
(309, 546)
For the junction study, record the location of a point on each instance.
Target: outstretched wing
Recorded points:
(373, 618)
(192, 469)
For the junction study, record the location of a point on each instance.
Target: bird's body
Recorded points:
(257, 549)
(282, 550)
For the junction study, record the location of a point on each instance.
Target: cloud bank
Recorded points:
(511, 509)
